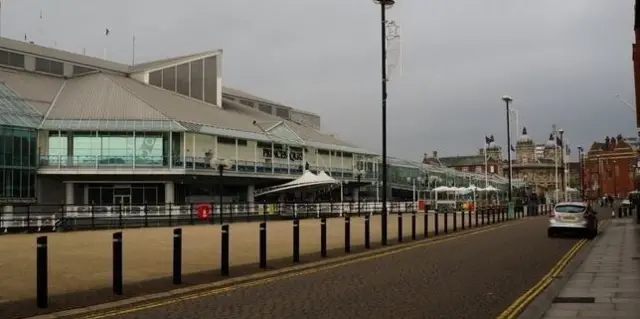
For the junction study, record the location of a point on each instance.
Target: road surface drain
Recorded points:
(574, 300)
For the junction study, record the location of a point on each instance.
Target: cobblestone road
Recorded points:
(472, 277)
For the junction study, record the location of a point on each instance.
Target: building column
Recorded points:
(356, 194)
(68, 194)
(169, 192)
(251, 198)
(86, 194)
(250, 193)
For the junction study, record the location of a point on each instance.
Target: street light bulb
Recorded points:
(387, 3)
(507, 98)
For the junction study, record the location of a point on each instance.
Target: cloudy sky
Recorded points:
(561, 61)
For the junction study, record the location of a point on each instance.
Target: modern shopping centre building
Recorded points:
(81, 130)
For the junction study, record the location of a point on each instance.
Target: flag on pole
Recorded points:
(489, 139)
(513, 149)
(106, 31)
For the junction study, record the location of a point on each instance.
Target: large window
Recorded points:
(49, 66)
(197, 80)
(169, 78)
(109, 148)
(12, 59)
(183, 79)
(211, 80)
(18, 155)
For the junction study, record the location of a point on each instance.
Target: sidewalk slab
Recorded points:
(607, 284)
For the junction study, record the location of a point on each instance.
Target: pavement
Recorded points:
(475, 275)
(605, 285)
(80, 262)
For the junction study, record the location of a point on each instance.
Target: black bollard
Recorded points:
(263, 245)
(42, 273)
(426, 222)
(117, 263)
(177, 256)
(462, 226)
(323, 237)
(400, 227)
(224, 250)
(620, 212)
(455, 220)
(492, 217)
(367, 226)
(436, 223)
(469, 219)
(296, 240)
(446, 222)
(476, 212)
(413, 225)
(347, 234)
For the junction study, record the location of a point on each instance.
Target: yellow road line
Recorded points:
(216, 291)
(514, 310)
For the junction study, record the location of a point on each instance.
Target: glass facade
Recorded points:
(197, 79)
(18, 154)
(125, 194)
(104, 148)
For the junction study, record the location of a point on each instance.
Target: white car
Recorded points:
(572, 217)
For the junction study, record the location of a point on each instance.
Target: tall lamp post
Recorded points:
(581, 165)
(358, 174)
(507, 100)
(384, 5)
(221, 164)
(615, 186)
(563, 181)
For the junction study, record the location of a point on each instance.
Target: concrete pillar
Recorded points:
(250, 194)
(251, 198)
(68, 194)
(169, 193)
(86, 194)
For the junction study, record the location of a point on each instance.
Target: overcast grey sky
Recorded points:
(561, 61)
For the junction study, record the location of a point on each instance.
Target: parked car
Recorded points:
(572, 217)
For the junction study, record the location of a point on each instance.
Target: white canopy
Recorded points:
(490, 189)
(463, 190)
(307, 180)
(571, 189)
(443, 189)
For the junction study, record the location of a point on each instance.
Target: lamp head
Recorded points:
(507, 98)
(561, 131)
(386, 3)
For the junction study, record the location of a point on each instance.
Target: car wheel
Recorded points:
(551, 233)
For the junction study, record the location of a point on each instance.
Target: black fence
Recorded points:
(47, 218)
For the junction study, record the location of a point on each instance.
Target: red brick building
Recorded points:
(609, 168)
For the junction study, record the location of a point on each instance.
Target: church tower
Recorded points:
(550, 148)
(494, 151)
(525, 148)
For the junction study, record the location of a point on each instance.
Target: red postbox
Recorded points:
(203, 211)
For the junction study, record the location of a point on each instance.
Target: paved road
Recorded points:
(471, 277)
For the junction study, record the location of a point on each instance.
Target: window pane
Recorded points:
(42, 65)
(265, 108)
(183, 79)
(155, 78)
(16, 60)
(210, 80)
(196, 79)
(56, 67)
(15, 183)
(169, 78)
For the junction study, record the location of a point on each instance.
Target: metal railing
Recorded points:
(40, 218)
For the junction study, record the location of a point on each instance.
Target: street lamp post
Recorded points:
(221, 165)
(507, 100)
(615, 186)
(384, 5)
(358, 173)
(563, 181)
(581, 164)
(598, 174)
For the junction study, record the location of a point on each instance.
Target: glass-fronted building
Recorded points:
(18, 148)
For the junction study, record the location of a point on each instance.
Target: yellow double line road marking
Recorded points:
(262, 281)
(523, 301)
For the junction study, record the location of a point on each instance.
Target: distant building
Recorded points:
(471, 163)
(609, 167)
